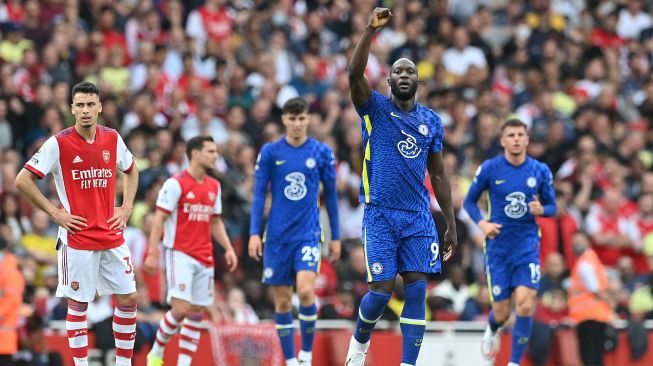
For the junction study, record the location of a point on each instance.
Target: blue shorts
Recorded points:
(282, 261)
(506, 268)
(397, 241)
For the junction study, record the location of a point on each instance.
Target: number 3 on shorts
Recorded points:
(129, 265)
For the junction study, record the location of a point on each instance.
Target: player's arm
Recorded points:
(328, 177)
(442, 188)
(166, 204)
(262, 178)
(545, 203)
(151, 262)
(38, 166)
(219, 233)
(359, 86)
(130, 182)
(470, 204)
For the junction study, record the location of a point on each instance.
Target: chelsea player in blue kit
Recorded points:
(294, 166)
(519, 189)
(401, 140)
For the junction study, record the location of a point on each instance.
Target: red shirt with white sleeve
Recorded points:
(191, 204)
(85, 176)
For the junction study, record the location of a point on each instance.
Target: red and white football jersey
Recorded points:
(85, 177)
(191, 205)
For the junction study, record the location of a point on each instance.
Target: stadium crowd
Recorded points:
(577, 72)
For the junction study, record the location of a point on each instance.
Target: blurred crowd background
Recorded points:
(577, 72)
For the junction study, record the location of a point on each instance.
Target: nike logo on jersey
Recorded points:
(77, 160)
(190, 196)
(499, 181)
(393, 114)
(280, 162)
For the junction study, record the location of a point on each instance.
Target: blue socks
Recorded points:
(494, 326)
(307, 317)
(520, 335)
(369, 312)
(412, 321)
(286, 332)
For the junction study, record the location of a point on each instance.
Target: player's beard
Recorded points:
(403, 95)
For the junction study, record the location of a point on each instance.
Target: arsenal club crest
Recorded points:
(74, 285)
(106, 155)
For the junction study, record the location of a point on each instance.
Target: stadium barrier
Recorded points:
(445, 344)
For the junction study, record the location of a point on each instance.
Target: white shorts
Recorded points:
(83, 273)
(188, 279)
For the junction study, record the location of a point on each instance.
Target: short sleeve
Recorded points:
(372, 104)
(125, 159)
(45, 159)
(328, 164)
(217, 205)
(436, 143)
(169, 196)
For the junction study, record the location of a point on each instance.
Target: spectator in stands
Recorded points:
(589, 302)
(554, 272)
(12, 286)
(451, 294)
(641, 302)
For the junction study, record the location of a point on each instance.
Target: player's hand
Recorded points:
(535, 207)
(380, 17)
(120, 217)
(69, 222)
(450, 243)
(151, 263)
(232, 259)
(335, 247)
(255, 247)
(490, 229)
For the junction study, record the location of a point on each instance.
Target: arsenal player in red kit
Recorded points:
(92, 254)
(188, 214)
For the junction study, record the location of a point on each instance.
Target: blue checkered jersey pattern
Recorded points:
(293, 175)
(397, 145)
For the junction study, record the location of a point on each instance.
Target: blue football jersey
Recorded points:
(294, 175)
(397, 145)
(510, 188)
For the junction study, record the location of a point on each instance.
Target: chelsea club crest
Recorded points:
(423, 129)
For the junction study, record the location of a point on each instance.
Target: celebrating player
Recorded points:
(523, 187)
(92, 256)
(294, 167)
(188, 212)
(401, 139)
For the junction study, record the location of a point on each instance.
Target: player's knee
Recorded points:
(384, 287)
(525, 308)
(127, 299)
(306, 296)
(282, 306)
(180, 309)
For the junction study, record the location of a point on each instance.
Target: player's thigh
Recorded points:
(380, 244)
(202, 286)
(78, 273)
(277, 267)
(116, 271)
(498, 270)
(179, 275)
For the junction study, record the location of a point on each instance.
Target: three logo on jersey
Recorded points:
(408, 148)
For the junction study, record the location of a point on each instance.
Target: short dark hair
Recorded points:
(85, 87)
(513, 122)
(196, 143)
(296, 105)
